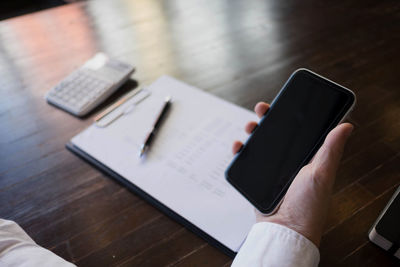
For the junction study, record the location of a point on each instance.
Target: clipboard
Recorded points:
(149, 199)
(188, 157)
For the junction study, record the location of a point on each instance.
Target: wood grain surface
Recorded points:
(242, 51)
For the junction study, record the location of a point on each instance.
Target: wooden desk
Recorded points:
(241, 51)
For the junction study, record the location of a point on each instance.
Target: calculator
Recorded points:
(85, 88)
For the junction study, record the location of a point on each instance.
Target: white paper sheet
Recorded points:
(184, 168)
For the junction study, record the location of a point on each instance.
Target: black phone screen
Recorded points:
(291, 132)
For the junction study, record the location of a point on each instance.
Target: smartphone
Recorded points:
(386, 231)
(306, 109)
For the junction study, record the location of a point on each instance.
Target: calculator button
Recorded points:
(84, 105)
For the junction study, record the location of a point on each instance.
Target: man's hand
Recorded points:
(305, 205)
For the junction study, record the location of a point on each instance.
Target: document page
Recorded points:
(184, 167)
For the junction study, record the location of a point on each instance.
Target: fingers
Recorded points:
(328, 157)
(250, 126)
(261, 108)
(237, 145)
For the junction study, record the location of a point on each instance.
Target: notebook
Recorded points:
(183, 172)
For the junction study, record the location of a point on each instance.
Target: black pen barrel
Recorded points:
(161, 115)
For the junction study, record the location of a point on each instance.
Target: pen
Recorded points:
(117, 104)
(110, 115)
(156, 126)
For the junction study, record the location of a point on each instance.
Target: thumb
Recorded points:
(328, 157)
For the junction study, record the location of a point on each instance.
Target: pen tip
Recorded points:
(141, 152)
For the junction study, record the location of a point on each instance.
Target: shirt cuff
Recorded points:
(18, 249)
(270, 244)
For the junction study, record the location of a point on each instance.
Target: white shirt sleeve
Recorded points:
(18, 249)
(270, 244)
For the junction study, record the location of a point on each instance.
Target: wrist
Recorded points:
(311, 234)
